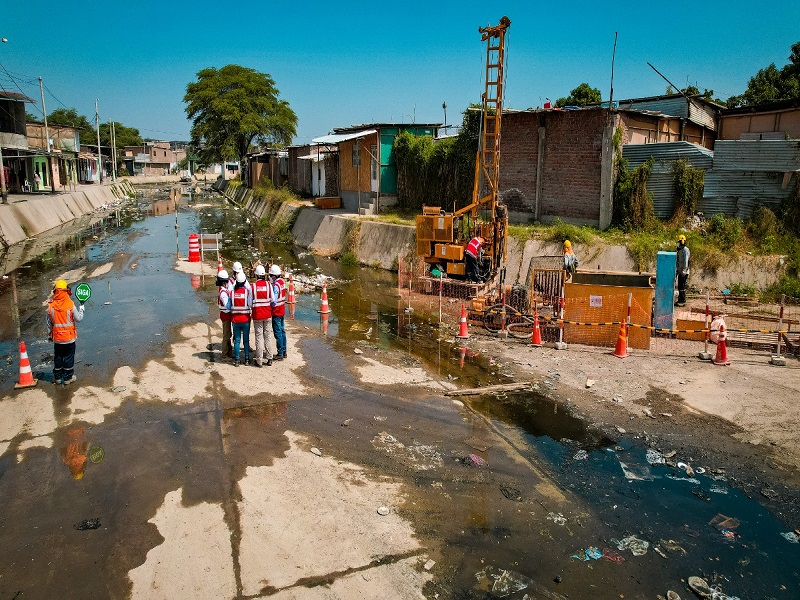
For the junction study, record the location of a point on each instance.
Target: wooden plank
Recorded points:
(489, 389)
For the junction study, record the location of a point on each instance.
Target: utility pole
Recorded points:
(47, 141)
(99, 154)
(113, 133)
(444, 108)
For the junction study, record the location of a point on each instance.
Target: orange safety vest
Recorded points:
(59, 310)
(262, 300)
(224, 310)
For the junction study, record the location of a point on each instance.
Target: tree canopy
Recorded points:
(771, 83)
(581, 96)
(234, 108)
(124, 136)
(69, 117)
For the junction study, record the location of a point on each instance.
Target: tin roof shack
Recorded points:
(602, 297)
(661, 183)
(314, 170)
(270, 164)
(747, 173)
(13, 139)
(773, 121)
(367, 169)
(681, 118)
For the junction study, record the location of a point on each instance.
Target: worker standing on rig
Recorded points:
(472, 255)
(570, 260)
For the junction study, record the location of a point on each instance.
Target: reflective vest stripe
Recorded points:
(62, 324)
(224, 311)
(262, 300)
(239, 302)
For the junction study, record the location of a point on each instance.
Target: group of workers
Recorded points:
(260, 305)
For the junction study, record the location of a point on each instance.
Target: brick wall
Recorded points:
(571, 164)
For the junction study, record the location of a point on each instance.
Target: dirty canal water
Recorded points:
(509, 495)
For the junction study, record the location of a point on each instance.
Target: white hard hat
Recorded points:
(237, 267)
(240, 277)
(260, 271)
(274, 270)
(222, 274)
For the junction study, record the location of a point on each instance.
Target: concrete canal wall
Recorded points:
(333, 233)
(27, 216)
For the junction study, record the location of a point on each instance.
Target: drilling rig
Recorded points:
(443, 236)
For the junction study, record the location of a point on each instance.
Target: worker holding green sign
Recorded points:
(61, 319)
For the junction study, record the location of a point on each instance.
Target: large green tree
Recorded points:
(772, 83)
(581, 96)
(234, 108)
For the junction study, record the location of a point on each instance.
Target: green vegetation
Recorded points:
(771, 83)
(395, 215)
(688, 188)
(348, 259)
(268, 225)
(234, 108)
(581, 96)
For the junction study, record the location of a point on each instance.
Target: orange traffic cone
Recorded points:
(25, 375)
(290, 299)
(219, 263)
(463, 332)
(463, 356)
(324, 309)
(324, 318)
(291, 312)
(621, 351)
(721, 358)
(536, 338)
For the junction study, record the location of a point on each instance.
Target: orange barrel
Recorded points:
(194, 247)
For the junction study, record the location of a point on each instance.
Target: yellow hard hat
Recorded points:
(61, 284)
(681, 238)
(567, 244)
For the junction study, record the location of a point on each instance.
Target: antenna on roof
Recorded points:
(613, 58)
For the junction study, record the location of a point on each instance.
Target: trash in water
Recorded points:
(731, 535)
(559, 519)
(684, 479)
(591, 553)
(687, 468)
(671, 546)
(701, 493)
(721, 522)
(718, 489)
(501, 582)
(474, 459)
(654, 457)
(636, 472)
(659, 551)
(792, 537)
(581, 455)
(512, 493)
(87, 524)
(609, 554)
(635, 545)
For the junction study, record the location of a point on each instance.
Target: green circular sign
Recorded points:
(96, 454)
(82, 292)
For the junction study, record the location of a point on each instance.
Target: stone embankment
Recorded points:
(26, 216)
(333, 233)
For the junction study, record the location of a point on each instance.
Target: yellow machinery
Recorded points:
(442, 237)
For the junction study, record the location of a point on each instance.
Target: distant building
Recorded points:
(773, 121)
(314, 169)
(152, 158)
(61, 151)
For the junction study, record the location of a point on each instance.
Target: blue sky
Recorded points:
(339, 64)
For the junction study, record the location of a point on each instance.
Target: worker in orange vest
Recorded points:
(472, 255)
(61, 319)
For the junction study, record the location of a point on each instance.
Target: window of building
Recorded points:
(356, 154)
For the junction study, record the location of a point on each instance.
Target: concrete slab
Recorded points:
(381, 243)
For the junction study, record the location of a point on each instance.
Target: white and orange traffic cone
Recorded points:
(25, 375)
(290, 299)
(463, 356)
(536, 338)
(324, 322)
(621, 351)
(219, 263)
(463, 330)
(324, 308)
(721, 359)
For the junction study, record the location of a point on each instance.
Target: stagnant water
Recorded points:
(627, 487)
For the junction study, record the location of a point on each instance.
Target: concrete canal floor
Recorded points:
(165, 472)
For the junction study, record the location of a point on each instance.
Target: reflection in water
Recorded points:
(75, 452)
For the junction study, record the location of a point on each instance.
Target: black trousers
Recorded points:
(472, 268)
(64, 359)
(682, 279)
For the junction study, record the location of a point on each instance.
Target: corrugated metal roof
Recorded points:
(676, 106)
(343, 137)
(661, 182)
(757, 155)
(703, 114)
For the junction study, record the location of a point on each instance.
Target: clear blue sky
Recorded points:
(345, 63)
